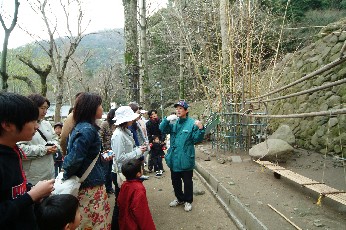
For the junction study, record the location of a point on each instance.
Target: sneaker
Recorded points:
(188, 207)
(158, 173)
(144, 177)
(175, 203)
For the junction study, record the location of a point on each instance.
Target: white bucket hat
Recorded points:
(125, 114)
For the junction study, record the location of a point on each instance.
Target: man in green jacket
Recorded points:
(184, 132)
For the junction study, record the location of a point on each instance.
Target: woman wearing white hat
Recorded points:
(122, 143)
(122, 140)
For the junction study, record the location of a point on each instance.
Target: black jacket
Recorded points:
(16, 206)
(156, 150)
(153, 129)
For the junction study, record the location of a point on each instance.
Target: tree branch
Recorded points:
(27, 80)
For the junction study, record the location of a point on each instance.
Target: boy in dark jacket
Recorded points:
(133, 205)
(18, 122)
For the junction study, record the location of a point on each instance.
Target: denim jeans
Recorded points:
(57, 167)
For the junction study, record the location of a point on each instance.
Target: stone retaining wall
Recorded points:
(325, 134)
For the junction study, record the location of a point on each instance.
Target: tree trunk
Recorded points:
(225, 48)
(3, 71)
(131, 48)
(182, 56)
(143, 54)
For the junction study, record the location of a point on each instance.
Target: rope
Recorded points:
(299, 115)
(342, 81)
(308, 76)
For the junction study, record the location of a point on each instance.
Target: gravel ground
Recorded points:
(256, 187)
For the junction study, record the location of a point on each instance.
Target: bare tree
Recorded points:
(41, 72)
(107, 83)
(3, 71)
(60, 56)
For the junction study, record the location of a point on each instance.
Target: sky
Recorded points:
(99, 15)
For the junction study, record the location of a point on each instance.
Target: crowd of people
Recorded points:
(33, 152)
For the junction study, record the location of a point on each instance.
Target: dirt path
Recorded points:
(206, 212)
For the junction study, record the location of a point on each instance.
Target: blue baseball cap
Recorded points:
(182, 104)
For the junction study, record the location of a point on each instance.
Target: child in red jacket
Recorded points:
(133, 205)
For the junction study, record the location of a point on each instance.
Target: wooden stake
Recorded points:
(289, 221)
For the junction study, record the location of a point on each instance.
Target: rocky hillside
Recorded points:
(325, 134)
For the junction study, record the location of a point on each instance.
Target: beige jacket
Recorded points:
(39, 165)
(69, 123)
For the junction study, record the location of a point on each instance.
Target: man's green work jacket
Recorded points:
(184, 134)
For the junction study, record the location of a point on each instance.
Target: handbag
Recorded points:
(72, 184)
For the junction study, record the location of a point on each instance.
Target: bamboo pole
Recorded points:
(288, 220)
(339, 82)
(300, 115)
(308, 76)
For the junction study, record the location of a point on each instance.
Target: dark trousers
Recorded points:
(114, 180)
(177, 179)
(115, 217)
(107, 170)
(157, 162)
(150, 162)
(57, 167)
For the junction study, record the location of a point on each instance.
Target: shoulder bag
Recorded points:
(72, 184)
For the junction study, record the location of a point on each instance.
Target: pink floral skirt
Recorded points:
(94, 208)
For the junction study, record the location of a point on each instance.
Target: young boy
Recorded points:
(133, 205)
(59, 212)
(58, 128)
(58, 158)
(18, 122)
(156, 152)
